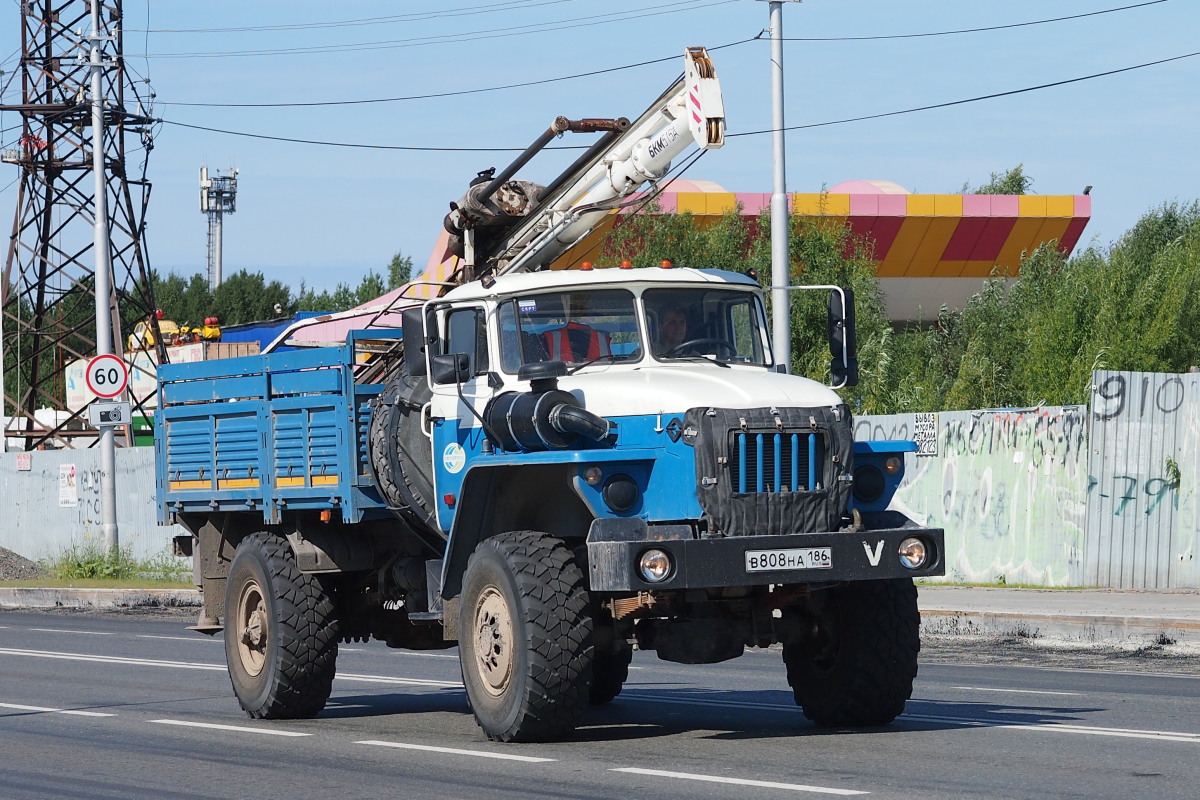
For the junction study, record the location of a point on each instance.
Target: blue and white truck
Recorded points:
(548, 469)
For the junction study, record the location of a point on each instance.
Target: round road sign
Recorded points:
(106, 375)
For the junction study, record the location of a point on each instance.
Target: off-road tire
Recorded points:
(857, 667)
(401, 454)
(525, 638)
(609, 672)
(281, 632)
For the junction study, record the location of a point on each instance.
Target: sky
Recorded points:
(323, 214)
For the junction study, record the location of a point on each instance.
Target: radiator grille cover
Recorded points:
(764, 471)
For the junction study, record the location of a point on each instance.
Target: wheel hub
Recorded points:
(253, 628)
(493, 641)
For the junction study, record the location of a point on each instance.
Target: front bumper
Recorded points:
(720, 563)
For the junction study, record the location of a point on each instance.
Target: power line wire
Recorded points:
(454, 93)
(449, 38)
(976, 99)
(965, 30)
(617, 69)
(971, 99)
(420, 16)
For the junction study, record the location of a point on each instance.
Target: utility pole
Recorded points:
(75, 253)
(103, 269)
(218, 197)
(781, 338)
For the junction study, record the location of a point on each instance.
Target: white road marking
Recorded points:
(696, 699)
(399, 681)
(429, 655)
(239, 728)
(151, 662)
(970, 722)
(688, 776)
(1013, 691)
(63, 630)
(145, 662)
(457, 751)
(200, 638)
(1059, 727)
(16, 707)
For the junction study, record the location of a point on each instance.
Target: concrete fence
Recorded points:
(1008, 486)
(51, 502)
(1063, 496)
(1060, 496)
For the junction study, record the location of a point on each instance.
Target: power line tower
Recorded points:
(49, 318)
(218, 197)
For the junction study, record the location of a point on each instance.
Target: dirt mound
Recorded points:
(18, 568)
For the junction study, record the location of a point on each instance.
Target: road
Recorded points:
(131, 707)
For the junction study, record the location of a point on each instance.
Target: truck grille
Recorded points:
(775, 461)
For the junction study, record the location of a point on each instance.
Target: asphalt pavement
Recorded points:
(1089, 616)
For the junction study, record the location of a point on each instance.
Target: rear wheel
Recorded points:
(609, 673)
(857, 664)
(525, 637)
(281, 632)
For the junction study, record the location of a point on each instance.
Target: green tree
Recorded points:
(343, 297)
(1015, 181)
(248, 297)
(399, 271)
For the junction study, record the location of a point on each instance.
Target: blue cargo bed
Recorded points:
(268, 433)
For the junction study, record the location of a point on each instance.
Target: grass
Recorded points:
(91, 566)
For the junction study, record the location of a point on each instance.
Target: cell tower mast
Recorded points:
(218, 197)
(56, 258)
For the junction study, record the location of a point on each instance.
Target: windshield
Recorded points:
(576, 327)
(714, 324)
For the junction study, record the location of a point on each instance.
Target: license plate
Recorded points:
(790, 558)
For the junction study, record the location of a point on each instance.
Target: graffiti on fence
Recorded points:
(1009, 488)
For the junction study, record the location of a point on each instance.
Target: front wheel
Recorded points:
(525, 638)
(281, 632)
(858, 660)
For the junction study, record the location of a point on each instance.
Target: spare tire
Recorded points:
(400, 453)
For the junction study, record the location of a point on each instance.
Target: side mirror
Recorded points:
(451, 368)
(415, 341)
(843, 343)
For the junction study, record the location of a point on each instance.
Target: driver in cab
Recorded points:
(672, 329)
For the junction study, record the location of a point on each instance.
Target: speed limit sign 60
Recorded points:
(107, 376)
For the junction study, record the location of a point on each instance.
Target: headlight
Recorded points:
(654, 565)
(893, 465)
(913, 553)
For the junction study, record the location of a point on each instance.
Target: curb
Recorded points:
(1085, 629)
(32, 597)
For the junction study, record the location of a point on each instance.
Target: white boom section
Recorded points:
(691, 111)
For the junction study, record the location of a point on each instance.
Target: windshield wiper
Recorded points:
(697, 357)
(588, 363)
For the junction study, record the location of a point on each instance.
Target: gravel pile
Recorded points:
(18, 568)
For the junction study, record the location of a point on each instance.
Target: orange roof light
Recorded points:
(586, 266)
(665, 264)
(626, 265)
